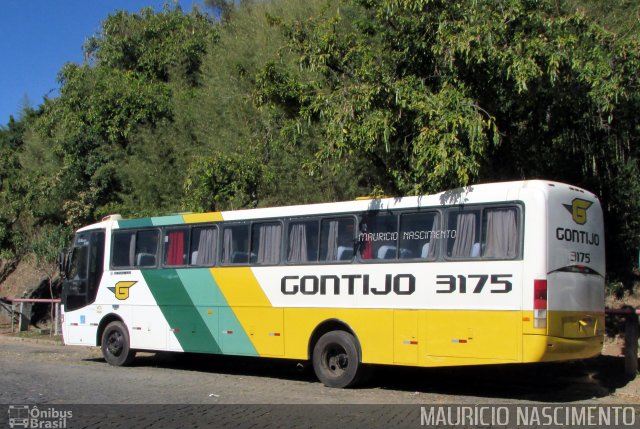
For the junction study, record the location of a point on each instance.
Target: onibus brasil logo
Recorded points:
(25, 416)
(578, 209)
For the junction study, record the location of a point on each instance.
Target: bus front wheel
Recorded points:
(116, 346)
(336, 360)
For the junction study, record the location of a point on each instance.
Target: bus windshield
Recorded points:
(78, 263)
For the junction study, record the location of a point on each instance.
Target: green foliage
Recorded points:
(48, 242)
(285, 102)
(434, 95)
(154, 45)
(222, 182)
(10, 144)
(621, 17)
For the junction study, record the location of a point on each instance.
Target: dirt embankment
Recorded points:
(25, 280)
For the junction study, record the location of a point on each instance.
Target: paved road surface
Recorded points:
(51, 374)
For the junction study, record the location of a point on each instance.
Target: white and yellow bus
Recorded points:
(488, 274)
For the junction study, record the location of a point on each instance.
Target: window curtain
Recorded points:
(332, 241)
(175, 255)
(132, 249)
(227, 245)
(465, 235)
(269, 243)
(366, 250)
(502, 234)
(298, 243)
(433, 242)
(207, 247)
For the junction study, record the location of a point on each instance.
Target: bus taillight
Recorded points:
(539, 303)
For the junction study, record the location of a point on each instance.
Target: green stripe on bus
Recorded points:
(193, 334)
(203, 290)
(167, 220)
(191, 301)
(135, 223)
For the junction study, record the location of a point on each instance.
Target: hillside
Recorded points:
(280, 102)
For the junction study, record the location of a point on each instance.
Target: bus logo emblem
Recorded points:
(578, 210)
(121, 290)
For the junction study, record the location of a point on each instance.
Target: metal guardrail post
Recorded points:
(25, 315)
(56, 318)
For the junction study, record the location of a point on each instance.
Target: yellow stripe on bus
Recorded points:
(202, 217)
(262, 323)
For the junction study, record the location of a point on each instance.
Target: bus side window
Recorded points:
(500, 233)
(464, 240)
(266, 241)
(336, 239)
(123, 243)
(204, 241)
(146, 248)
(417, 238)
(235, 244)
(378, 236)
(303, 241)
(176, 246)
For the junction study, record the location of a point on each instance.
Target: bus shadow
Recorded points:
(551, 382)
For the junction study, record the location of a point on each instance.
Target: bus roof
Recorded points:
(479, 193)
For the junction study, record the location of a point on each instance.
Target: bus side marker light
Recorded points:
(274, 334)
(410, 342)
(209, 311)
(459, 341)
(227, 332)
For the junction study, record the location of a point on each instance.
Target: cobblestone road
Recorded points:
(49, 374)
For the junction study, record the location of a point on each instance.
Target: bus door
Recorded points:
(82, 272)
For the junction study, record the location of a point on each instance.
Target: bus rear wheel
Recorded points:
(336, 360)
(116, 346)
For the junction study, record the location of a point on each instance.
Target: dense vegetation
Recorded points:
(273, 102)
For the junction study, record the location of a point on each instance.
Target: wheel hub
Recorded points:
(337, 361)
(114, 344)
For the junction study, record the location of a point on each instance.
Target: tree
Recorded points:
(438, 94)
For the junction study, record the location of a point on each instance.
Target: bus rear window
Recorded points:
(489, 233)
(500, 233)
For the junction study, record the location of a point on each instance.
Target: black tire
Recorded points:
(336, 360)
(116, 346)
